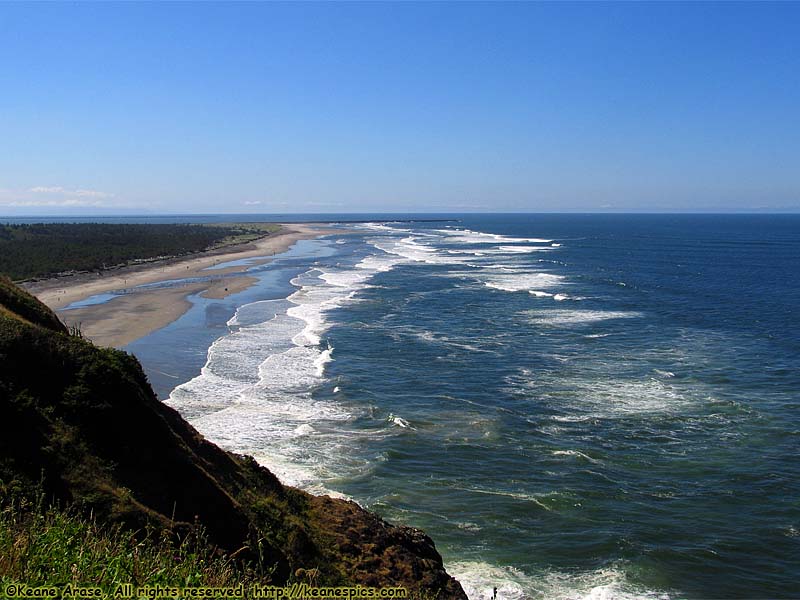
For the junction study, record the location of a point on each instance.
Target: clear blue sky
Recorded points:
(177, 108)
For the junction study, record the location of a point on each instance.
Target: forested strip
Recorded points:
(44, 249)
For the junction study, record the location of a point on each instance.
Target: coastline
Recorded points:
(139, 312)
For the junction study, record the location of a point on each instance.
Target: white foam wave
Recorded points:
(255, 395)
(519, 282)
(399, 421)
(313, 301)
(597, 394)
(266, 417)
(315, 326)
(412, 249)
(619, 397)
(514, 249)
(479, 579)
(232, 364)
(576, 454)
(344, 278)
(468, 236)
(560, 317)
(323, 359)
(571, 418)
(378, 263)
(382, 227)
(470, 251)
(437, 247)
(304, 429)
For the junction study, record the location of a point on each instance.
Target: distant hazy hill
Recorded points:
(83, 424)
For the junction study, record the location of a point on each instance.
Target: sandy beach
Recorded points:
(135, 314)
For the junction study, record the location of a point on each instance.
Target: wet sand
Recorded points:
(133, 315)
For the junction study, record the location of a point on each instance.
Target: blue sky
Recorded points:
(407, 107)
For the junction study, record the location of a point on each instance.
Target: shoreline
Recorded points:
(136, 313)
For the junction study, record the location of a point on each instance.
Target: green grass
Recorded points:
(19, 304)
(244, 233)
(46, 546)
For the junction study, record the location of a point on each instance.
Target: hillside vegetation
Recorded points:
(45, 249)
(46, 545)
(81, 427)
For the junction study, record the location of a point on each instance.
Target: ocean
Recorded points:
(572, 406)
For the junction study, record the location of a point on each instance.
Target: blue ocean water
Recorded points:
(572, 406)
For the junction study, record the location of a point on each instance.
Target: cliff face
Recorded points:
(83, 422)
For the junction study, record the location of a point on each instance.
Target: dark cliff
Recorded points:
(82, 423)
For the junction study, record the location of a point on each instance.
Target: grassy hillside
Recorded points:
(41, 545)
(45, 249)
(81, 425)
